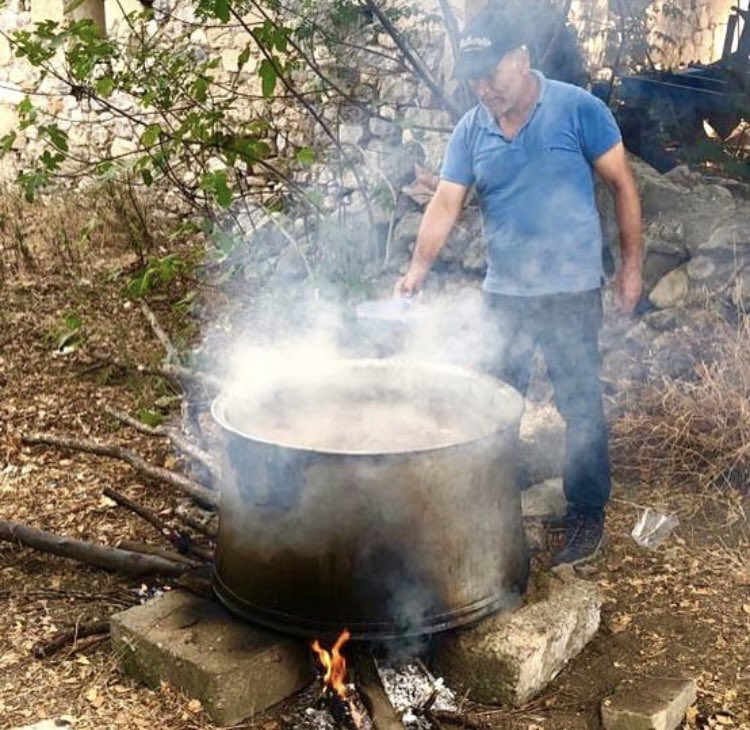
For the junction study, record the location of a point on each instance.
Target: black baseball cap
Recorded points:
(485, 40)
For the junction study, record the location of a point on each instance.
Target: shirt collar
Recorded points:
(487, 121)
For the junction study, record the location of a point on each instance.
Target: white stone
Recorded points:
(545, 499)
(649, 704)
(350, 134)
(671, 289)
(511, 657)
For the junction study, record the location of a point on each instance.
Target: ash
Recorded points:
(409, 685)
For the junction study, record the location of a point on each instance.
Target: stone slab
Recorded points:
(652, 703)
(541, 448)
(233, 668)
(511, 657)
(545, 499)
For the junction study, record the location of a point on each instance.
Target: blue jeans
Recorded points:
(566, 328)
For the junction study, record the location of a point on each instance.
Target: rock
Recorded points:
(649, 704)
(671, 289)
(233, 668)
(546, 499)
(405, 231)
(382, 127)
(729, 235)
(351, 134)
(662, 256)
(511, 657)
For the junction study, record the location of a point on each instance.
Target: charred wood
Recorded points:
(65, 637)
(197, 491)
(181, 541)
(371, 690)
(121, 561)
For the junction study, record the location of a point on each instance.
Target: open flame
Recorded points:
(334, 664)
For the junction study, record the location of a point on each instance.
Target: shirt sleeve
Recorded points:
(598, 128)
(458, 166)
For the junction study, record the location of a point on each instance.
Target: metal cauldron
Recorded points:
(392, 537)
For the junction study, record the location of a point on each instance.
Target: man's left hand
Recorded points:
(628, 289)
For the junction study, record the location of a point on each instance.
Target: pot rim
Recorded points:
(219, 405)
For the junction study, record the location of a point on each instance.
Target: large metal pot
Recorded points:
(389, 535)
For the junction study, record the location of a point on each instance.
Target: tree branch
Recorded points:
(109, 558)
(197, 491)
(177, 438)
(414, 61)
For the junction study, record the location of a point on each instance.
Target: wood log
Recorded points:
(143, 548)
(371, 690)
(197, 491)
(101, 556)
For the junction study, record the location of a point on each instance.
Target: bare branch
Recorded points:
(44, 649)
(172, 356)
(177, 438)
(101, 556)
(197, 491)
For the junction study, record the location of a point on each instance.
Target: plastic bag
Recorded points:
(653, 527)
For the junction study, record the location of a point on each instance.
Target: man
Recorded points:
(530, 148)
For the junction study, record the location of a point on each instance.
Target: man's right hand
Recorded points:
(410, 284)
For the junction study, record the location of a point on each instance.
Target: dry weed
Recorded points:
(693, 432)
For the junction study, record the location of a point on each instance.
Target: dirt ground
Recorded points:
(680, 610)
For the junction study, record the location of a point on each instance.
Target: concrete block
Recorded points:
(545, 499)
(233, 668)
(653, 703)
(511, 657)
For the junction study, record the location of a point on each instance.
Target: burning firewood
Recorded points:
(361, 704)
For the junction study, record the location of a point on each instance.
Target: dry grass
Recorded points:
(693, 432)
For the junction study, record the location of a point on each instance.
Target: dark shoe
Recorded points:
(562, 522)
(582, 540)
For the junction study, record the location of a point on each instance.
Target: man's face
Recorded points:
(502, 88)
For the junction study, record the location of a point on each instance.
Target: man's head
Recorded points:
(494, 58)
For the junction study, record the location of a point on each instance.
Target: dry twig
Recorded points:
(158, 473)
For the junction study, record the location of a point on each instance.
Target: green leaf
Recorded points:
(216, 184)
(6, 142)
(150, 417)
(244, 57)
(105, 86)
(305, 156)
(150, 135)
(147, 177)
(221, 10)
(268, 75)
(58, 138)
(200, 89)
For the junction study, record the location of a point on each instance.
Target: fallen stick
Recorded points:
(197, 491)
(143, 548)
(44, 649)
(181, 542)
(191, 516)
(172, 354)
(178, 439)
(101, 556)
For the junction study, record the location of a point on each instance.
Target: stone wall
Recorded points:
(689, 29)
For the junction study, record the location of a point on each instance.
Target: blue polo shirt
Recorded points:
(536, 190)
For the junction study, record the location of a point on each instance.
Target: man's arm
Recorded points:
(440, 215)
(614, 169)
